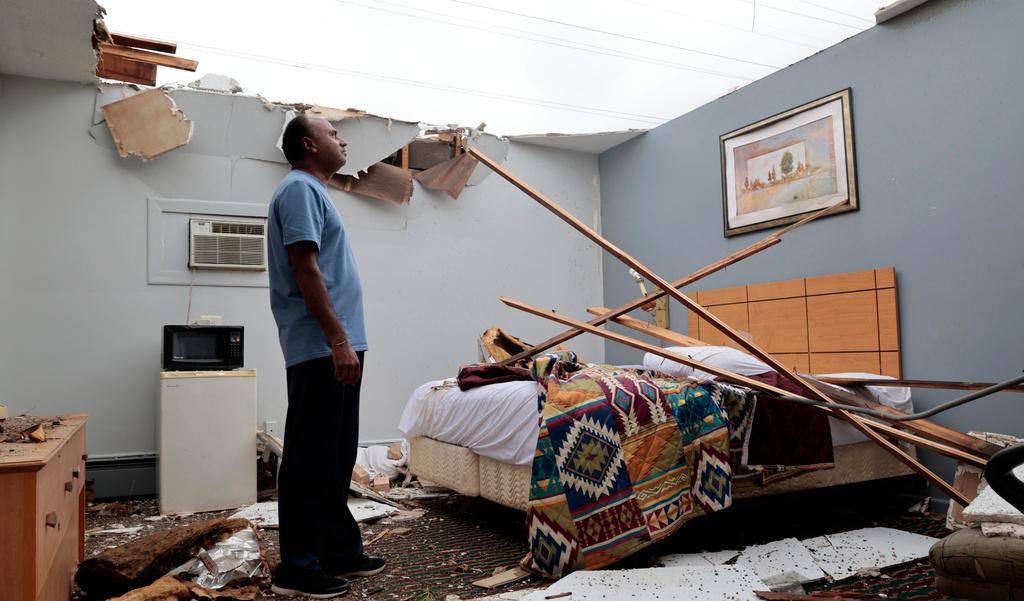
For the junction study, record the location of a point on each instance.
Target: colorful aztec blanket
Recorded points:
(625, 457)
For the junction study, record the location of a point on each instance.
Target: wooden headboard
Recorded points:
(835, 323)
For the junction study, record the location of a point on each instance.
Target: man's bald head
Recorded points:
(298, 128)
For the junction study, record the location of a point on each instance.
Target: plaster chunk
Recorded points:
(988, 506)
(214, 82)
(147, 125)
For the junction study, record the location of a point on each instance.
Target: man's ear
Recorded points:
(308, 144)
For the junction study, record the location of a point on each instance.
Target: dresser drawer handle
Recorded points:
(69, 485)
(76, 472)
(51, 519)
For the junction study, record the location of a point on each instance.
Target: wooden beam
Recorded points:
(651, 330)
(948, 436)
(939, 384)
(752, 348)
(127, 39)
(757, 385)
(703, 272)
(123, 69)
(145, 56)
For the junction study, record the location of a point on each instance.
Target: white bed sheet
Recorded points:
(499, 421)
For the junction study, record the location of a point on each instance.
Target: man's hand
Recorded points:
(346, 364)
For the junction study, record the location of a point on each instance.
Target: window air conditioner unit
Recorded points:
(237, 245)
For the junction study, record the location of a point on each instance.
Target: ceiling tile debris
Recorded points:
(147, 125)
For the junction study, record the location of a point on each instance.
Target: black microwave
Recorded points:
(189, 348)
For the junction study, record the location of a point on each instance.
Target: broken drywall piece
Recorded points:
(786, 557)
(450, 176)
(108, 93)
(265, 514)
(844, 554)
(657, 584)
(996, 529)
(332, 114)
(364, 510)
(494, 147)
(697, 560)
(988, 506)
(381, 181)
(594, 143)
(370, 138)
(147, 125)
(214, 82)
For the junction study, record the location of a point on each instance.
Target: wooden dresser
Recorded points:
(42, 512)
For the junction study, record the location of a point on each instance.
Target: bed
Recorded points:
(481, 442)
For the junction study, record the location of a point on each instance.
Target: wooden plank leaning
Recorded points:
(705, 271)
(716, 322)
(947, 436)
(866, 425)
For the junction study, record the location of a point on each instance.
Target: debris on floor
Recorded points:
(239, 557)
(265, 514)
(140, 562)
(731, 583)
(780, 563)
(845, 554)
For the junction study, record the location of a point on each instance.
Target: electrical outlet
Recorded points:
(270, 427)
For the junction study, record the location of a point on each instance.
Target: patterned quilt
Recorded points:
(624, 458)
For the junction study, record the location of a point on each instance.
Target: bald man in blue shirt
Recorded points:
(317, 300)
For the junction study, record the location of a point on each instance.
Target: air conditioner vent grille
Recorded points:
(229, 227)
(224, 250)
(237, 245)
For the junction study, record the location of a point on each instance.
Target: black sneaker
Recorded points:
(318, 585)
(364, 566)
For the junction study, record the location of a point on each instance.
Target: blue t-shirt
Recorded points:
(301, 210)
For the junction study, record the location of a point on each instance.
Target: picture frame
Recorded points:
(779, 169)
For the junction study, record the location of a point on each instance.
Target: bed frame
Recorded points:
(835, 323)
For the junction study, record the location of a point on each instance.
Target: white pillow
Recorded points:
(724, 357)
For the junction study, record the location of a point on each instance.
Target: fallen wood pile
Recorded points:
(144, 560)
(942, 442)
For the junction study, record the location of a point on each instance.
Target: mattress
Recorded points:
(501, 421)
(506, 484)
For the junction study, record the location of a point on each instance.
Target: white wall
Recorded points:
(80, 326)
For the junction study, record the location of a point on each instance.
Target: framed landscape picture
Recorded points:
(779, 169)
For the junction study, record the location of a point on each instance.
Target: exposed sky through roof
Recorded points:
(523, 67)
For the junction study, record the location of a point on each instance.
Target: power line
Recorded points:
(615, 34)
(761, 4)
(726, 25)
(639, 117)
(837, 11)
(570, 44)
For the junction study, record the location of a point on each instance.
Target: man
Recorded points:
(317, 301)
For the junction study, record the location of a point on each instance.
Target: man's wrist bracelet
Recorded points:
(342, 343)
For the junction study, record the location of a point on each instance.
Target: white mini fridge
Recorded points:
(206, 438)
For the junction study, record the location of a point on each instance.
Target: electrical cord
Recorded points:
(909, 417)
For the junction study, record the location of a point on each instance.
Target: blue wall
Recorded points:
(938, 118)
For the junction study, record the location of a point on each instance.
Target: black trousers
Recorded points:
(321, 432)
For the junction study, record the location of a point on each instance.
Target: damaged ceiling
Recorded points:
(48, 39)
(590, 143)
